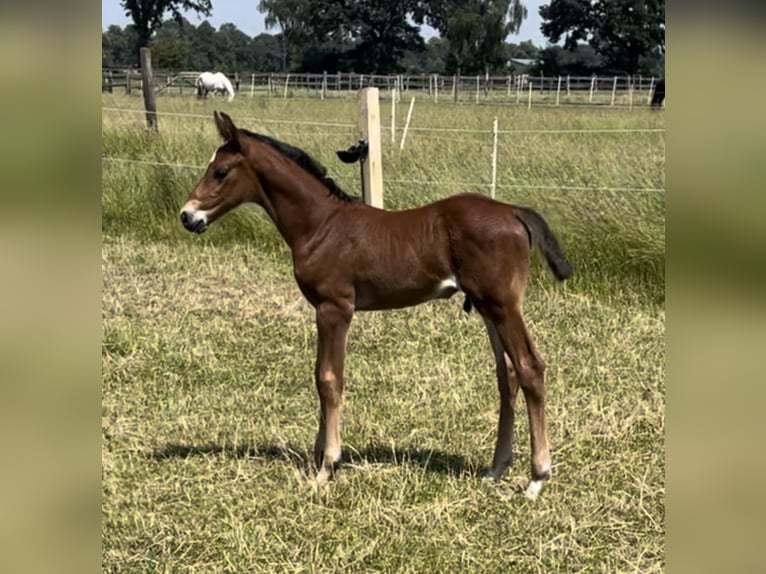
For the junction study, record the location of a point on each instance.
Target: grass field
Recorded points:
(209, 408)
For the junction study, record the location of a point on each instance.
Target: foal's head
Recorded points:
(228, 181)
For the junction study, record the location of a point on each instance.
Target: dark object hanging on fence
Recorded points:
(356, 153)
(658, 96)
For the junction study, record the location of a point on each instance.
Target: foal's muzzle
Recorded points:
(192, 223)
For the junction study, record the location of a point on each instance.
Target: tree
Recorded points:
(628, 34)
(369, 36)
(147, 14)
(525, 50)
(266, 53)
(233, 47)
(291, 16)
(475, 29)
(171, 45)
(432, 60)
(382, 35)
(204, 47)
(558, 61)
(119, 47)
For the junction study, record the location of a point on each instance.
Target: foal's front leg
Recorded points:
(333, 320)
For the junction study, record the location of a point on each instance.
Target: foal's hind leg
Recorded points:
(332, 327)
(508, 386)
(530, 370)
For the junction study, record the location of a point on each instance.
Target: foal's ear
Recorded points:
(225, 125)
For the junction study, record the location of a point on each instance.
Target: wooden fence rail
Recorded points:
(554, 90)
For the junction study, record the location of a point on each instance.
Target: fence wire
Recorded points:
(467, 184)
(486, 131)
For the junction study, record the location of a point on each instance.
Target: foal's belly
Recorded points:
(373, 296)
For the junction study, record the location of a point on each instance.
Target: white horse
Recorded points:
(216, 83)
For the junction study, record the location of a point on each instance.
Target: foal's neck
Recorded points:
(298, 204)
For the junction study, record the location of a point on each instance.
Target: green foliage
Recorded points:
(431, 60)
(580, 61)
(179, 45)
(369, 36)
(476, 30)
(171, 46)
(383, 35)
(525, 49)
(147, 15)
(628, 34)
(119, 46)
(266, 53)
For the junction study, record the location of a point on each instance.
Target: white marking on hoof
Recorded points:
(323, 477)
(490, 478)
(533, 490)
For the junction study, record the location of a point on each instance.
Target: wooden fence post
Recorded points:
(529, 100)
(369, 125)
(324, 84)
(493, 187)
(393, 115)
(407, 123)
(150, 104)
(455, 94)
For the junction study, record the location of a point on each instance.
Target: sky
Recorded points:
(244, 15)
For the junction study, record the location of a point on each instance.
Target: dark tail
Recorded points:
(543, 237)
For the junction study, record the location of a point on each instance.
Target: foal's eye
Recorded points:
(220, 173)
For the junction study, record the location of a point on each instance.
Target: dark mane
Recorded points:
(305, 161)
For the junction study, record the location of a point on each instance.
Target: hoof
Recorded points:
(534, 489)
(490, 478)
(327, 472)
(322, 478)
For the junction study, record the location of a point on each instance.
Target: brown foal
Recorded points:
(348, 256)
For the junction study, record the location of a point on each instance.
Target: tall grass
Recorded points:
(589, 186)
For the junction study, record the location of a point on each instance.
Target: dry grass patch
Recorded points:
(209, 414)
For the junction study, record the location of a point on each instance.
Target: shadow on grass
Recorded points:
(430, 460)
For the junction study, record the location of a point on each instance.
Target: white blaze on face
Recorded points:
(212, 157)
